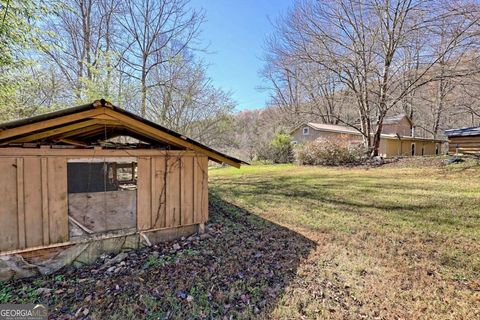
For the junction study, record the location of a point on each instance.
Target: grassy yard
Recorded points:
(395, 242)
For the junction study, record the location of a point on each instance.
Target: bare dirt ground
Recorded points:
(238, 270)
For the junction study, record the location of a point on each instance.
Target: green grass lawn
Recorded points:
(395, 242)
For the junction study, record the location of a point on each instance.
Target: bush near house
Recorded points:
(329, 153)
(279, 150)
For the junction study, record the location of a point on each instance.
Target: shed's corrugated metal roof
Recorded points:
(463, 132)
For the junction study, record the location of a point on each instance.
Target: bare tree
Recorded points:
(157, 31)
(78, 40)
(364, 43)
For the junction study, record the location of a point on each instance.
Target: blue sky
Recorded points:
(235, 31)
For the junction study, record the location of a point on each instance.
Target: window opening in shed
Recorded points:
(102, 195)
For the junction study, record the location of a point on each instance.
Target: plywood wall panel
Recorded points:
(187, 190)
(44, 197)
(173, 190)
(144, 193)
(8, 209)
(20, 203)
(33, 201)
(200, 189)
(159, 192)
(57, 199)
(204, 204)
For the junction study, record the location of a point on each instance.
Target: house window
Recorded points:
(306, 131)
(413, 149)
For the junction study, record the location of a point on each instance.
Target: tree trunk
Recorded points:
(143, 104)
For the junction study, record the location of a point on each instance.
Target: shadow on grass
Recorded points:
(240, 271)
(354, 196)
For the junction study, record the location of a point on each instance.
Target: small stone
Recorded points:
(176, 246)
(189, 298)
(85, 312)
(205, 236)
(117, 287)
(79, 311)
(44, 291)
(119, 257)
(182, 295)
(111, 269)
(182, 238)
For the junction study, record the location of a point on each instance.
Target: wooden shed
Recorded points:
(463, 140)
(92, 179)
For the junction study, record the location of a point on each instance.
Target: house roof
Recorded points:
(396, 119)
(463, 132)
(332, 128)
(85, 125)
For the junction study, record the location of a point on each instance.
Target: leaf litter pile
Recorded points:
(238, 269)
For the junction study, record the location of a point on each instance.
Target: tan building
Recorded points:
(397, 138)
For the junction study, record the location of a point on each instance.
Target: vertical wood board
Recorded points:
(20, 203)
(200, 189)
(33, 201)
(8, 209)
(57, 199)
(173, 205)
(144, 193)
(187, 190)
(159, 192)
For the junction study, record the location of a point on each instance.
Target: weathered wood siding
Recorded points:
(172, 191)
(468, 144)
(34, 202)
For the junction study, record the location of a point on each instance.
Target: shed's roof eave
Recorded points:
(104, 104)
(463, 132)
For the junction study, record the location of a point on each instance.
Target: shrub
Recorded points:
(279, 150)
(330, 153)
